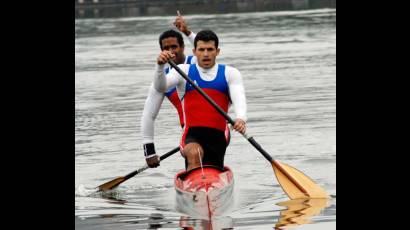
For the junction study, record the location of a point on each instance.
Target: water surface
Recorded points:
(288, 63)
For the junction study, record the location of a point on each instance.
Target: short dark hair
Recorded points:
(171, 34)
(206, 36)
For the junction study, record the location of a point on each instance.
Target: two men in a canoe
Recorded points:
(204, 138)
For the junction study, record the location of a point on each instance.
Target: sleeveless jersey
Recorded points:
(198, 111)
(172, 95)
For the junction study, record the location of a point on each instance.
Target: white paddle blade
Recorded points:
(296, 184)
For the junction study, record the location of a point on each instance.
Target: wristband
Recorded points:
(149, 150)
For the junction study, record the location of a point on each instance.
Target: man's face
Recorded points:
(206, 53)
(171, 44)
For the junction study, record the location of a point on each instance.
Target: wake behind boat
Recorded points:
(204, 192)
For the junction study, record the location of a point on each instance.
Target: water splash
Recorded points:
(81, 190)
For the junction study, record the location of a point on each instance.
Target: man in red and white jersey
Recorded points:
(203, 140)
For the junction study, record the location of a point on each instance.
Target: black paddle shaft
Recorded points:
(163, 157)
(223, 113)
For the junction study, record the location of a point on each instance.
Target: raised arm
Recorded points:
(161, 82)
(182, 26)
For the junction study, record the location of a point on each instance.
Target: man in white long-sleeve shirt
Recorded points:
(171, 41)
(203, 138)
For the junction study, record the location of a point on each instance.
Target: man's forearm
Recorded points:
(191, 38)
(151, 108)
(239, 101)
(160, 82)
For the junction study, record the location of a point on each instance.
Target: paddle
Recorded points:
(117, 181)
(294, 183)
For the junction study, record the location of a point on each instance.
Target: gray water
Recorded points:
(288, 63)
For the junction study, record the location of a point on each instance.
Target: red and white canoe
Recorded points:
(204, 192)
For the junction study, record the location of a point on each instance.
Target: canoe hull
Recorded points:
(204, 197)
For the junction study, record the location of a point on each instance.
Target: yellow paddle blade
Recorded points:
(300, 211)
(111, 184)
(296, 184)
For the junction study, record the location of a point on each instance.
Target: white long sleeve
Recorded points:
(191, 38)
(162, 83)
(151, 108)
(237, 92)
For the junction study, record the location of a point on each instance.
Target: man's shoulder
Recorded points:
(192, 59)
(183, 67)
(231, 69)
